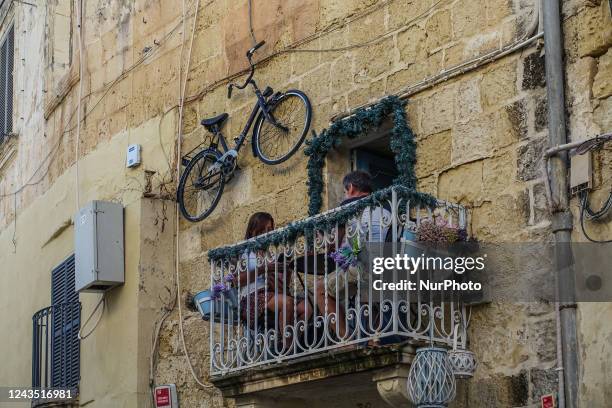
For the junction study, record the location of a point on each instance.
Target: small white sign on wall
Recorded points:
(133, 155)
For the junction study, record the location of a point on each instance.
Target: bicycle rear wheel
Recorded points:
(275, 144)
(201, 186)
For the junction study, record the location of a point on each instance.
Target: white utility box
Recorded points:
(133, 155)
(98, 247)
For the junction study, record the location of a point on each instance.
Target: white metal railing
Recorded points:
(309, 305)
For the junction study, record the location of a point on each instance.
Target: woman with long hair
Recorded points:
(262, 292)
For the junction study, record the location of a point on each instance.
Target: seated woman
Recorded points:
(260, 295)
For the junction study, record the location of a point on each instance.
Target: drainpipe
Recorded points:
(561, 216)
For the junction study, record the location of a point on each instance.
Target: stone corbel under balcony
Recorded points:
(392, 384)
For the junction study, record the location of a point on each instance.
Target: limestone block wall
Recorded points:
(480, 142)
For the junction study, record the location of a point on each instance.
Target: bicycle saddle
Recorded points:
(216, 120)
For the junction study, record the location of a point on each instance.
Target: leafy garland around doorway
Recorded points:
(363, 120)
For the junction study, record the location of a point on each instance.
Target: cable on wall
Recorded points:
(587, 212)
(102, 302)
(79, 99)
(526, 39)
(182, 89)
(293, 47)
(251, 30)
(581, 147)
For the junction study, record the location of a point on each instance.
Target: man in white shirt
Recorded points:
(358, 184)
(372, 226)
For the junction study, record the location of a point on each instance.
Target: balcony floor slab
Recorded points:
(321, 377)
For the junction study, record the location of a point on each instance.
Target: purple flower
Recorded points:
(229, 278)
(217, 289)
(345, 257)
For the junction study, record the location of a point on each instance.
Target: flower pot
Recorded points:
(221, 305)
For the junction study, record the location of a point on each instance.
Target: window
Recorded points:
(377, 159)
(6, 83)
(372, 153)
(66, 320)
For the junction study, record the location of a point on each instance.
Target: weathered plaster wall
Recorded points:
(115, 359)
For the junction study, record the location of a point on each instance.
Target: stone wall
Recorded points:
(480, 142)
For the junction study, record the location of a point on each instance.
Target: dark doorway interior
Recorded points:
(376, 158)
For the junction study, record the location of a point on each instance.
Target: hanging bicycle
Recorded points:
(281, 119)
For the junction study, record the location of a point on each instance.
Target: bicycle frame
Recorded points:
(260, 105)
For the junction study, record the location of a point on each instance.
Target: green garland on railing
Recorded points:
(305, 227)
(363, 120)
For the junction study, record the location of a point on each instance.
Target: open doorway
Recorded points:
(376, 158)
(370, 152)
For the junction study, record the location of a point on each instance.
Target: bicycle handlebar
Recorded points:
(257, 46)
(249, 54)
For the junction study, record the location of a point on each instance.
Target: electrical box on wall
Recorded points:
(98, 247)
(581, 173)
(133, 155)
(165, 396)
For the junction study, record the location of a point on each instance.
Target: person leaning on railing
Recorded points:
(357, 184)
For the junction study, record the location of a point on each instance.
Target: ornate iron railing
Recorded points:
(309, 306)
(55, 346)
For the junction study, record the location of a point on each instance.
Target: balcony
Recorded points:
(56, 351)
(339, 312)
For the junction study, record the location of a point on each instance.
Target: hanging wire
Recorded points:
(102, 302)
(252, 32)
(182, 90)
(293, 47)
(586, 212)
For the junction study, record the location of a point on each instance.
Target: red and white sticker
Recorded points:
(548, 401)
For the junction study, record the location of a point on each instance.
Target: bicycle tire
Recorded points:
(261, 120)
(210, 155)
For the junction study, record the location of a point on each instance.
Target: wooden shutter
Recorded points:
(66, 320)
(6, 83)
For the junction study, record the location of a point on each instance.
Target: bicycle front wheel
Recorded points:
(276, 142)
(201, 186)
